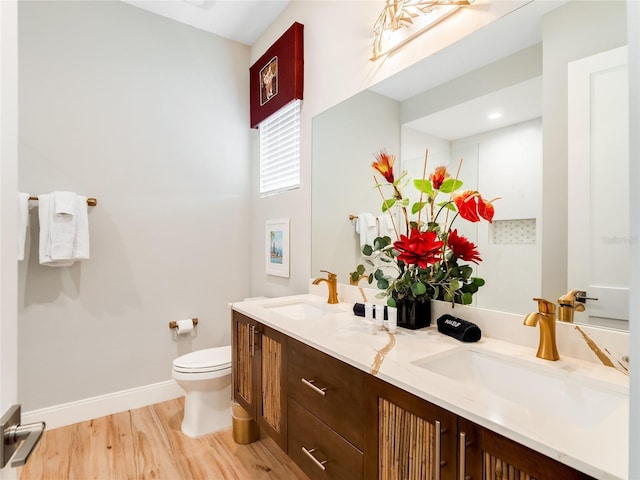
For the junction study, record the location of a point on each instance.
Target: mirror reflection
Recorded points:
(526, 251)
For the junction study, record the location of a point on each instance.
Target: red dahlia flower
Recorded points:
(419, 248)
(439, 176)
(384, 164)
(463, 248)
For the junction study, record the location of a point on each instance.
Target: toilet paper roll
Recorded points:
(185, 326)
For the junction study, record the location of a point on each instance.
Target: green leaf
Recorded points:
(404, 202)
(378, 243)
(418, 288)
(383, 284)
(360, 270)
(379, 274)
(450, 185)
(465, 271)
(424, 186)
(448, 205)
(454, 284)
(391, 302)
(355, 276)
(367, 250)
(387, 204)
(467, 298)
(478, 281)
(416, 207)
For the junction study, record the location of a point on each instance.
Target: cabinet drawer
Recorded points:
(333, 456)
(328, 388)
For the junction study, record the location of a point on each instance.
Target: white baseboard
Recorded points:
(95, 407)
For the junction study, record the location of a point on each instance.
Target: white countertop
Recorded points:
(596, 445)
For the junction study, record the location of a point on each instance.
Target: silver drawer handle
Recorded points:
(310, 384)
(309, 453)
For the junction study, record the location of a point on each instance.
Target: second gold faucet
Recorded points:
(332, 283)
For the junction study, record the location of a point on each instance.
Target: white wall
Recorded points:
(151, 117)
(633, 23)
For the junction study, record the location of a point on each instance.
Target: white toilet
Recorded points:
(205, 376)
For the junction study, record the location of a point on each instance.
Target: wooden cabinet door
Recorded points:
(272, 393)
(407, 437)
(243, 346)
(486, 455)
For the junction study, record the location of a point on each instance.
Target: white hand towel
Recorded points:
(23, 223)
(366, 227)
(385, 226)
(81, 240)
(62, 227)
(64, 203)
(45, 213)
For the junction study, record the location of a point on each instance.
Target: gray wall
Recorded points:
(151, 117)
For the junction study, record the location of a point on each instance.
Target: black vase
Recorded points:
(413, 314)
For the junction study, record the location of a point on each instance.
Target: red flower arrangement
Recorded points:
(423, 261)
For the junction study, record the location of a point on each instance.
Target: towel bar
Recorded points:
(92, 202)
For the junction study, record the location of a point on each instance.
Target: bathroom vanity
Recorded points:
(346, 404)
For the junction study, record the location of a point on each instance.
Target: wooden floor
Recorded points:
(147, 443)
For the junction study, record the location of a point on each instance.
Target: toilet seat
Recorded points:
(202, 361)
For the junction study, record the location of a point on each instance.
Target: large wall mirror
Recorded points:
(528, 156)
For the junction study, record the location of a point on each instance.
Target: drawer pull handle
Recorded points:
(309, 453)
(310, 384)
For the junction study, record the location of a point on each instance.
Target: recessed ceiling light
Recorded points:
(494, 115)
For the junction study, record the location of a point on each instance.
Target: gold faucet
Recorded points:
(569, 304)
(546, 316)
(332, 282)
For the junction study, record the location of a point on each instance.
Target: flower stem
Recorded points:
(424, 174)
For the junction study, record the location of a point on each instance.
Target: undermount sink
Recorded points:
(559, 393)
(301, 309)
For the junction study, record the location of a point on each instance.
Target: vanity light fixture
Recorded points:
(402, 20)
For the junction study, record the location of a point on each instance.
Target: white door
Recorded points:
(598, 219)
(8, 209)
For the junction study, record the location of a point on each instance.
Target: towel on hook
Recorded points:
(367, 228)
(23, 223)
(64, 236)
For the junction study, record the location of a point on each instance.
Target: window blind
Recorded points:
(280, 150)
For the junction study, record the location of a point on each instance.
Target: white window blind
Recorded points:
(280, 150)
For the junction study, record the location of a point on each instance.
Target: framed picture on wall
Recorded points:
(277, 247)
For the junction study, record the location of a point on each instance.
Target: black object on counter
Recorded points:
(459, 329)
(358, 310)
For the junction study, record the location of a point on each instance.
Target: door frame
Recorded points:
(8, 210)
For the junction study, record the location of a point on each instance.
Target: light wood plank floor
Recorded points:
(147, 443)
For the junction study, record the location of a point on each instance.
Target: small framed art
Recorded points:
(277, 247)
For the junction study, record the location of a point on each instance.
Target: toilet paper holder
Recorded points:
(174, 324)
